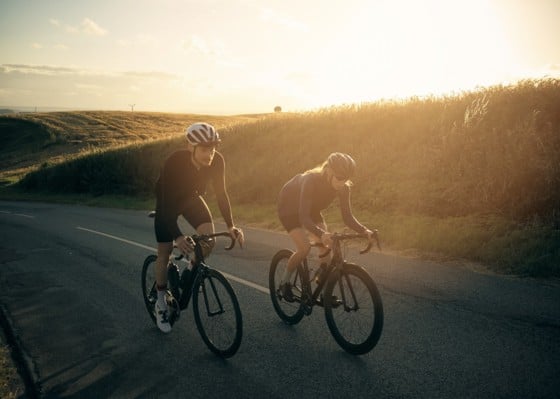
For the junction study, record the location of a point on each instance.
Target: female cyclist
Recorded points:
(301, 201)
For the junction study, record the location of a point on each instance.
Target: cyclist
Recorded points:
(301, 201)
(179, 189)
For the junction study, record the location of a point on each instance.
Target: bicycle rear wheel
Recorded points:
(217, 313)
(149, 291)
(289, 312)
(354, 310)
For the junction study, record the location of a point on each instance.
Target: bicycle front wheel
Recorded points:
(354, 310)
(291, 312)
(217, 313)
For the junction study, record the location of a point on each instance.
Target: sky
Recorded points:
(247, 56)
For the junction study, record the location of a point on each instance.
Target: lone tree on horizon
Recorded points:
(278, 109)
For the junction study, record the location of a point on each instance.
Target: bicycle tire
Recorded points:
(289, 312)
(214, 297)
(149, 291)
(355, 318)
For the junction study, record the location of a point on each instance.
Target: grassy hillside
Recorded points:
(34, 139)
(474, 175)
(493, 151)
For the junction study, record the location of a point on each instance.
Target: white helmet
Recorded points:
(202, 133)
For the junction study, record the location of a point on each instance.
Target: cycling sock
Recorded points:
(161, 294)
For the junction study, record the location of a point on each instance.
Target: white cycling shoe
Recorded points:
(162, 317)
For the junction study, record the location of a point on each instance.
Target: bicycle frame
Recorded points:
(309, 296)
(216, 310)
(349, 296)
(199, 269)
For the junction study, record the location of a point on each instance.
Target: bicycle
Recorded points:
(351, 300)
(215, 306)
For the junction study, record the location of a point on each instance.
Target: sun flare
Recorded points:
(168, 57)
(385, 52)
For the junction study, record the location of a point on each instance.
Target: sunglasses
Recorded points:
(208, 145)
(341, 178)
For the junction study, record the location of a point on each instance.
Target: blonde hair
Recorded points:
(319, 169)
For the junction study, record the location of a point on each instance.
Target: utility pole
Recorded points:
(132, 107)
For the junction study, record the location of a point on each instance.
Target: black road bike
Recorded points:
(215, 306)
(349, 296)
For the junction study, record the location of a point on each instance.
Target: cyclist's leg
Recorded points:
(198, 215)
(161, 308)
(207, 247)
(164, 252)
(324, 253)
(299, 237)
(165, 247)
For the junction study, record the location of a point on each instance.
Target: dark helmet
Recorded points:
(202, 133)
(341, 164)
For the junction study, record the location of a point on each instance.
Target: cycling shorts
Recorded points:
(195, 212)
(292, 221)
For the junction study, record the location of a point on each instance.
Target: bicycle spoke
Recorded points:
(217, 314)
(212, 300)
(355, 312)
(149, 285)
(291, 311)
(355, 328)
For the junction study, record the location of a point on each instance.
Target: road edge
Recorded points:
(22, 362)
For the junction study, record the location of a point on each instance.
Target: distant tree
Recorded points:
(278, 109)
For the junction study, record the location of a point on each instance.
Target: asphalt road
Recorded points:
(70, 285)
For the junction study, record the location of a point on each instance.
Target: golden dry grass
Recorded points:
(476, 175)
(55, 137)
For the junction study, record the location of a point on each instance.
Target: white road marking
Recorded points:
(117, 238)
(24, 215)
(227, 275)
(18, 214)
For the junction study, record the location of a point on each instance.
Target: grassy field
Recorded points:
(473, 176)
(11, 386)
(41, 139)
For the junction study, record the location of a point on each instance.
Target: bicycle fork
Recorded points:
(346, 291)
(217, 302)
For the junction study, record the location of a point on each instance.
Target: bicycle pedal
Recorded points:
(307, 309)
(335, 304)
(174, 308)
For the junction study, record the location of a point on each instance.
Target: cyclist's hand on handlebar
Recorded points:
(185, 244)
(326, 239)
(237, 234)
(373, 237)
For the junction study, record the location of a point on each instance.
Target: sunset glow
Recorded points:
(244, 56)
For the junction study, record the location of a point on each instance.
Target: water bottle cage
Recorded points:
(185, 278)
(173, 274)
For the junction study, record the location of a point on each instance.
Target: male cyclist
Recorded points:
(179, 189)
(301, 201)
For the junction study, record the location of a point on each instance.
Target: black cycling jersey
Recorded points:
(306, 195)
(180, 182)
